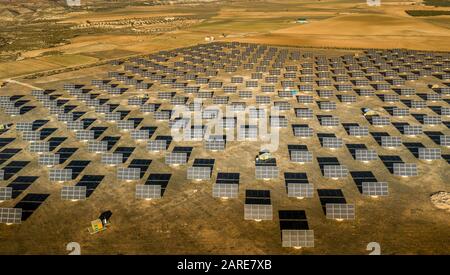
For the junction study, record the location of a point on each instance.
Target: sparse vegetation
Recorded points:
(437, 3)
(427, 12)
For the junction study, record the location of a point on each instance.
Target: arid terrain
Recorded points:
(47, 47)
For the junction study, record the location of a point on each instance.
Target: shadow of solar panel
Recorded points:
(375, 189)
(77, 167)
(125, 151)
(5, 193)
(362, 176)
(258, 205)
(294, 229)
(161, 180)
(298, 186)
(65, 153)
(389, 160)
(10, 215)
(73, 193)
(5, 141)
(54, 142)
(12, 168)
(30, 203)
(91, 182)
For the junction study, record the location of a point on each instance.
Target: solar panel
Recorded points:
(49, 159)
(405, 169)
(302, 156)
(302, 131)
(31, 135)
(304, 113)
(112, 158)
(73, 193)
(39, 147)
(335, 171)
(11, 215)
(365, 155)
(5, 193)
(375, 188)
(148, 192)
(412, 130)
(266, 172)
(432, 120)
(278, 121)
(359, 130)
(297, 238)
(24, 126)
(199, 173)
(444, 140)
(85, 135)
(332, 142)
(327, 105)
(128, 173)
(258, 212)
(225, 190)
(2, 174)
(340, 211)
(380, 121)
(429, 153)
(390, 141)
(125, 125)
(176, 158)
(97, 146)
(400, 112)
(59, 175)
(298, 185)
(329, 121)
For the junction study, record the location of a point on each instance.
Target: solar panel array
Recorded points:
(249, 79)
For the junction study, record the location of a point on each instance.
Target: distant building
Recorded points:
(373, 3)
(302, 20)
(209, 38)
(73, 3)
